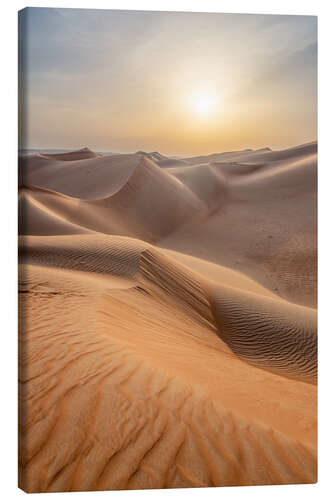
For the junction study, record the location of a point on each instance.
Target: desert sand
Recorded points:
(168, 321)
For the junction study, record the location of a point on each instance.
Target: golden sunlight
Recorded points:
(203, 103)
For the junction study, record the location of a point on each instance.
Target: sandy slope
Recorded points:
(133, 196)
(264, 225)
(34, 217)
(168, 321)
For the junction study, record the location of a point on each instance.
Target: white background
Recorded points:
(8, 247)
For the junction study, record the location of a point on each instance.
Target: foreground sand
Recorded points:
(167, 320)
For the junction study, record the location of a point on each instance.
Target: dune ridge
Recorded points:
(80, 154)
(168, 323)
(267, 332)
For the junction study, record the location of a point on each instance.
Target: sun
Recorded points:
(203, 103)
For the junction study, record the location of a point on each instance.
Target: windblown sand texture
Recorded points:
(168, 323)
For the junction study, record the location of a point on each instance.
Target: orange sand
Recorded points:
(167, 320)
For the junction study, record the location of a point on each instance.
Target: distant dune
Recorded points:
(81, 154)
(168, 321)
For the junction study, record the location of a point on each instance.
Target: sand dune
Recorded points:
(265, 331)
(81, 154)
(167, 320)
(275, 335)
(127, 208)
(262, 154)
(35, 218)
(91, 178)
(274, 241)
(163, 161)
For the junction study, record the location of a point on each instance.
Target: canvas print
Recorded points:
(167, 249)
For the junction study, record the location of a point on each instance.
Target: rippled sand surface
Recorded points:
(168, 321)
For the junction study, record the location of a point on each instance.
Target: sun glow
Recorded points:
(203, 104)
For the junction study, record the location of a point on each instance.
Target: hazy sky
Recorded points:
(179, 83)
